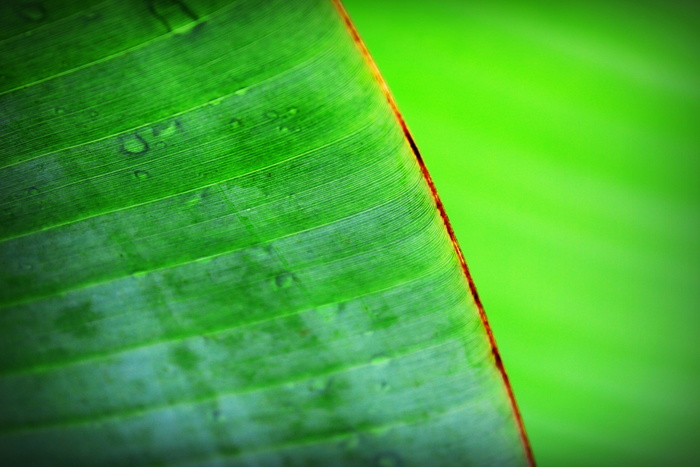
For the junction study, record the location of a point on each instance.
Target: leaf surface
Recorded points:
(219, 246)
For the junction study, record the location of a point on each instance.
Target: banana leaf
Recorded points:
(220, 246)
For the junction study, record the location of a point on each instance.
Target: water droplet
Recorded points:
(167, 129)
(272, 115)
(141, 174)
(292, 111)
(283, 129)
(388, 459)
(241, 92)
(216, 415)
(134, 144)
(284, 280)
(32, 12)
(384, 386)
(93, 114)
(161, 145)
(235, 123)
(32, 191)
(59, 111)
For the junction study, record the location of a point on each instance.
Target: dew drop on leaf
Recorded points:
(272, 115)
(283, 129)
(141, 175)
(134, 144)
(235, 123)
(161, 145)
(93, 114)
(166, 129)
(284, 280)
(32, 191)
(292, 111)
(59, 111)
(32, 12)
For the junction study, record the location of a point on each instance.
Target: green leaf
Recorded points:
(219, 246)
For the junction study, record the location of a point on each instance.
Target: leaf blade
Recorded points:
(316, 298)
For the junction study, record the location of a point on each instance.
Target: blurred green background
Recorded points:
(563, 140)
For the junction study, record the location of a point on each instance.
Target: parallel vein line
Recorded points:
(73, 221)
(161, 232)
(126, 414)
(297, 66)
(327, 437)
(143, 163)
(185, 263)
(43, 25)
(181, 338)
(114, 55)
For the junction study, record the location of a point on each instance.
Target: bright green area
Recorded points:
(217, 248)
(563, 139)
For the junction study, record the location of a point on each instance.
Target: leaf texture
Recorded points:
(219, 247)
